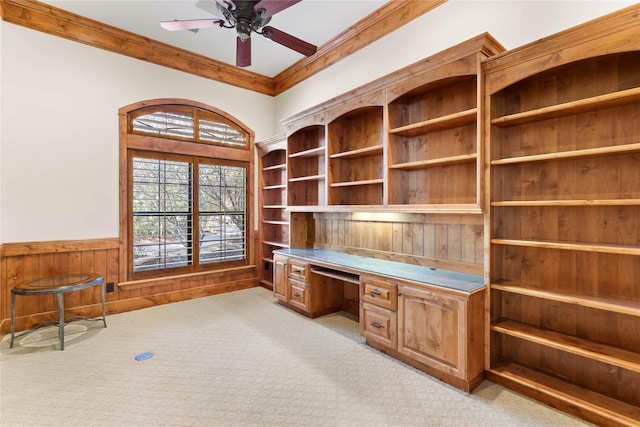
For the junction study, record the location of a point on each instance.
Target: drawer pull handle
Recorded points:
(296, 295)
(376, 325)
(374, 294)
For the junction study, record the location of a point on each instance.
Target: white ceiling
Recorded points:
(315, 21)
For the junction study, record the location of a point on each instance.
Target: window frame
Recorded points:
(180, 149)
(197, 114)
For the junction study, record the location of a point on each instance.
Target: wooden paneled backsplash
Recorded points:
(29, 261)
(445, 240)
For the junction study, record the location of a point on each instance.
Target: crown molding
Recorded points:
(51, 20)
(376, 25)
(58, 22)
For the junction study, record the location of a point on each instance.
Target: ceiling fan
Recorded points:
(246, 17)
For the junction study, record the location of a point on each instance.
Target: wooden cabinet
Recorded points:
(280, 284)
(436, 330)
(379, 325)
(409, 141)
(442, 331)
(298, 295)
(274, 219)
(298, 270)
(564, 162)
(379, 292)
(298, 282)
(378, 311)
(303, 290)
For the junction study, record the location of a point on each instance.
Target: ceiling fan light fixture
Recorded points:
(244, 30)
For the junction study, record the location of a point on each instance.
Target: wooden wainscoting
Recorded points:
(20, 262)
(448, 241)
(29, 261)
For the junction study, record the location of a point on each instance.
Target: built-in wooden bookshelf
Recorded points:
(409, 141)
(564, 235)
(306, 167)
(355, 157)
(274, 218)
(434, 143)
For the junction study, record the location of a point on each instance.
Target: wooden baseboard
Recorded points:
(463, 385)
(588, 405)
(120, 306)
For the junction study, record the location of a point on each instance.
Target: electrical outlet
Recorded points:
(110, 287)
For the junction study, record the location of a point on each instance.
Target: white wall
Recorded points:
(512, 23)
(1, 103)
(59, 135)
(59, 103)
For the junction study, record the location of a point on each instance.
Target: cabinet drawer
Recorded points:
(299, 270)
(298, 295)
(378, 324)
(378, 292)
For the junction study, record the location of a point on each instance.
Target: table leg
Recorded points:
(61, 318)
(102, 295)
(13, 318)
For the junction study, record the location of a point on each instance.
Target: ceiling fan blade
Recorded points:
(227, 4)
(243, 52)
(209, 6)
(287, 40)
(191, 24)
(267, 8)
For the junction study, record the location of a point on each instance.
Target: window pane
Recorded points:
(163, 123)
(222, 213)
(162, 214)
(221, 133)
(159, 242)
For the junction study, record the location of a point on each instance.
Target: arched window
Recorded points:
(185, 175)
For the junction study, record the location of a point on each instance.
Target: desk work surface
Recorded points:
(445, 278)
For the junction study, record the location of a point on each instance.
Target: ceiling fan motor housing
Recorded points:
(246, 16)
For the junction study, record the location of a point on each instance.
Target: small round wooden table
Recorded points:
(58, 285)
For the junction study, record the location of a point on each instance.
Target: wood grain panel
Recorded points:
(432, 240)
(582, 41)
(21, 262)
(65, 258)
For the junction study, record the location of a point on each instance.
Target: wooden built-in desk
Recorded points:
(429, 318)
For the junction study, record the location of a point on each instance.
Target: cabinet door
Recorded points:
(280, 278)
(378, 324)
(432, 329)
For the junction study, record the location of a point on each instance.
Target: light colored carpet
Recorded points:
(236, 359)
